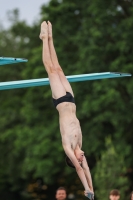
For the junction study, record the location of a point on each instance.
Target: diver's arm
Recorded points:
(69, 152)
(87, 173)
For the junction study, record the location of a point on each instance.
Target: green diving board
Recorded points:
(8, 60)
(72, 78)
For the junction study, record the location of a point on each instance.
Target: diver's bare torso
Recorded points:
(69, 125)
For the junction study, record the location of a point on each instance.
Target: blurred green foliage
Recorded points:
(92, 36)
(110, 172)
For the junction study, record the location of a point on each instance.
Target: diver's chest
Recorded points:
(74, 138)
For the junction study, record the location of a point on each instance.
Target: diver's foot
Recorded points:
(44, 30)
(89, 195)
(49, 30)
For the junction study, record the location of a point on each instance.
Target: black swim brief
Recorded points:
(67, 98)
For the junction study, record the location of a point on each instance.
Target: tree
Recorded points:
(110, 172)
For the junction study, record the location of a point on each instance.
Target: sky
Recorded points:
(29, 10)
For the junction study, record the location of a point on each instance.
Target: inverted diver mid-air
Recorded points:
(63, 99)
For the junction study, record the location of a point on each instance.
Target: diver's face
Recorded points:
(79, 155)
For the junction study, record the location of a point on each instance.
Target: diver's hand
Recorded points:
(89, 195)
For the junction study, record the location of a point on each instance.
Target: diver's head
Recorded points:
(79, 154)
(69, 162)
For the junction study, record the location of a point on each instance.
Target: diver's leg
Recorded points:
(55, 82)
(55, 62)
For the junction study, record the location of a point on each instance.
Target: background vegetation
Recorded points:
(92, 36)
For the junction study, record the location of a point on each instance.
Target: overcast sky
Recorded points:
(29, 10)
